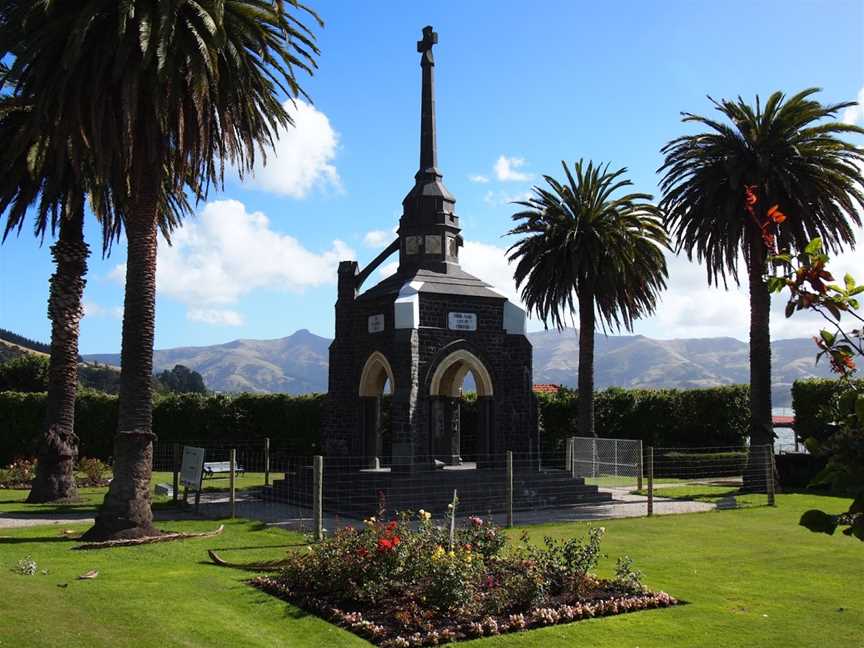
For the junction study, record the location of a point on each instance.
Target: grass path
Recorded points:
(752, 578)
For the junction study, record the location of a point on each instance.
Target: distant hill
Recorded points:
(639, 361)
(298, 363)
(12, 338)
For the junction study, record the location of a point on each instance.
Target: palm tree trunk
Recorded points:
(126, 511)
(58, 448)
(586, 363)
(761, 430)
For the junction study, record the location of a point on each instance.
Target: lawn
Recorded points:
(750, 577)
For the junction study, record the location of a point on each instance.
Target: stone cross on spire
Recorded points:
(428, 147)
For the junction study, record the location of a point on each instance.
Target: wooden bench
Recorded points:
(213, 468)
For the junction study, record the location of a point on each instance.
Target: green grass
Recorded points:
(728, 496)
(751, 578)
(221, 482)
(12, 501)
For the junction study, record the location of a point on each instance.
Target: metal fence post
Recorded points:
(266, 461)
(509, 489)
(650, 481)
(769, 474)
(615, 455)
(176, 459)
(233, 482)
(318, 498)
(639, 468)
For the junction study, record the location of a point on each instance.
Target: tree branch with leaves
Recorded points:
(812, 287)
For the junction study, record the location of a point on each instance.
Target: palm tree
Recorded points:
(37, 171)
(578, 239)
(776, 176)
(155, 91)
(32, 173)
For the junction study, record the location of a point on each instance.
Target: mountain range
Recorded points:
(298, 363)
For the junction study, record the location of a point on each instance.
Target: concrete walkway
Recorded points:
(296, 518)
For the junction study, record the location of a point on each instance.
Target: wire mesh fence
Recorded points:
(590, 479)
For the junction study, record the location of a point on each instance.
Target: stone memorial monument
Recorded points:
(423, 329)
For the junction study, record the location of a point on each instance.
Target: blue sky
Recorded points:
(520, 87)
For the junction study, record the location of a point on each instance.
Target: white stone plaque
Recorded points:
(192, 467)
(376, 323)
(462, 321)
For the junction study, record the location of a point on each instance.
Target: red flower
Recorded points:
(750, 197)
(362, 552)
(391, 526)
(396, 540)
(384, 544)
(776, 215)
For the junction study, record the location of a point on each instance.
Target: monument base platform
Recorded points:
(362, 493)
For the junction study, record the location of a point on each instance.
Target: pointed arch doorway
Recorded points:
(376, 382)
(445, 400)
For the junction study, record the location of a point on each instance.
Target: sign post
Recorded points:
(192, 471)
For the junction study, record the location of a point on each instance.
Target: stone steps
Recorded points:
(359, 494)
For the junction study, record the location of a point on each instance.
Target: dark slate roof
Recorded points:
(456, 282)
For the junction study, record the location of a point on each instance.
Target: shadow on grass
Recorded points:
(5, 540)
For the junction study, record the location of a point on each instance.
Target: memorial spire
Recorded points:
(429, 228)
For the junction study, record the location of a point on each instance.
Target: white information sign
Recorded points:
(192, 467)
(462, 321)
(376, 323)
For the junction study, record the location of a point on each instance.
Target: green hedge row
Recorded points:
(813, 401)
(670, 418)
(291, 422)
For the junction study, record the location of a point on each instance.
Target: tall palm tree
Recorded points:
(772, 177)
(32, 173)
(155, 91)
(578, 239)
(37, 172)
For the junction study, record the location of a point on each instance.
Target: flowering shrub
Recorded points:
(408, 582)
(18, 474)
(93, 471)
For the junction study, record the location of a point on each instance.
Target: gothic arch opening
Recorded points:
(459, 430)
(376, 385)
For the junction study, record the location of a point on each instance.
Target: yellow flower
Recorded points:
(369, 521)
(425, 516)
(438, 554)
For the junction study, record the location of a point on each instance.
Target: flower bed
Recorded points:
(18, 474)
(409, 582)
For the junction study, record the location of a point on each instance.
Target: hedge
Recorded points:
(670, 418)
(291, 422)
(812, 401)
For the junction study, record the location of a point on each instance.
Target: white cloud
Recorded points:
(378, 238)
(215, 316)
(498, 198)
(489, 263)
(855, 114)
(388, 269)
(691, 308)
(228, 252)
(92, 309)
(482, 179)
(506, 169)
(303, 156)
